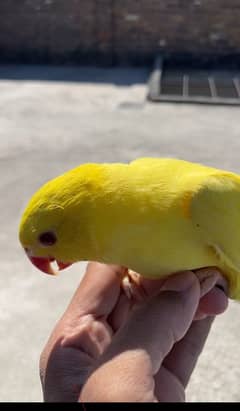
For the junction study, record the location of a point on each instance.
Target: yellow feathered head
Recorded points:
(54, 225)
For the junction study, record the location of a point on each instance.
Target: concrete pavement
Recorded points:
(52, 119)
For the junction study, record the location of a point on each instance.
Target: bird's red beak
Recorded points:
(45, 264)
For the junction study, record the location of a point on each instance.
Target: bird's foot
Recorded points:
(132, 287)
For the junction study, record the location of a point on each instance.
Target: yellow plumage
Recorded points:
(154, 216)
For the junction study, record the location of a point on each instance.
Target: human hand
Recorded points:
(109, 348)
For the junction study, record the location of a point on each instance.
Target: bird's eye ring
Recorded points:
(48, 238)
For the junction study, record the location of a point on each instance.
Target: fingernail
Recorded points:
(210, 277)
(180, 282)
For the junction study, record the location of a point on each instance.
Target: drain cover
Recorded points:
(193, 84)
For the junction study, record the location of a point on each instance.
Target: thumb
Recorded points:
(125, 370)
(153, 328)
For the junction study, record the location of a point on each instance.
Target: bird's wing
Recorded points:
(215, 214)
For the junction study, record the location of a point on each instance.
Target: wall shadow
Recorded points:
(121, 76)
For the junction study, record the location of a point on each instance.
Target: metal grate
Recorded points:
(194, 85)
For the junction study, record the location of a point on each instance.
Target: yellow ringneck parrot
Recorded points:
(153, 216)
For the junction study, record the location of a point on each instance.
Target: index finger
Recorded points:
(98, 291)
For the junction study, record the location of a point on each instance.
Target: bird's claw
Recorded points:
(131, 286)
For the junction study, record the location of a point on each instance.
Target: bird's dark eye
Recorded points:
(48, 238)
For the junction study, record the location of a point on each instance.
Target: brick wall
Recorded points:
(120, 31)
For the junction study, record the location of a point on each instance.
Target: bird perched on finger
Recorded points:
(153, 216)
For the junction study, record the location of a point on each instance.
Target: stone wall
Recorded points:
(120, 31)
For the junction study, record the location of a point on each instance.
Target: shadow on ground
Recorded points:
(124, 76)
